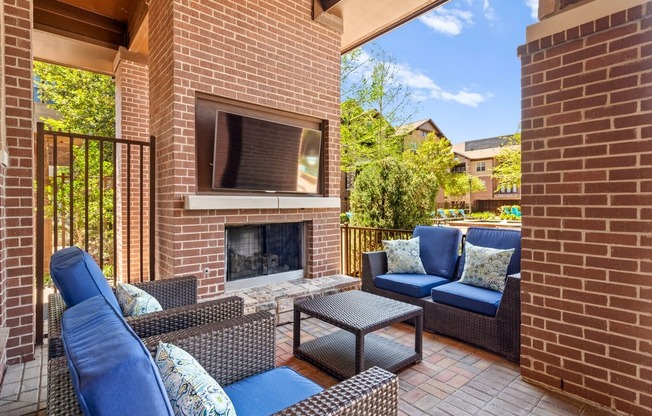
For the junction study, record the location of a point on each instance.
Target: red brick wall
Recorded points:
(18, 270)
(268, 53)
(587, 221)
(132, 120)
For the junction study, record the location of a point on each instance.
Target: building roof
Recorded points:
(482, 148)
(425, 125)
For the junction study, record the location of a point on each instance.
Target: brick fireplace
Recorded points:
(267, 54)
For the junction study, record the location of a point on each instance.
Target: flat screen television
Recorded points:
(253, 154)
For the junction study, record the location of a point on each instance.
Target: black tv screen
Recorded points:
(253, 154)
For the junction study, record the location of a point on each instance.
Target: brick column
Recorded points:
(264, 53)
(586, 197)
(132, 123)
(17, 273)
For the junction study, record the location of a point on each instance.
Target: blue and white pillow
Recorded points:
(134, 301)
(485, 266)
(404, 256)
(191, 390)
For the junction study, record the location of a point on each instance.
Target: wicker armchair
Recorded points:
(177, 296)
(237, 348)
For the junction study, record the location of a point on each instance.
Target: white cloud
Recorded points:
(448, 22)
(424, 87)
(534, 8)
(489, 12)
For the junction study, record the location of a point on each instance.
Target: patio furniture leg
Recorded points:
(418, 337)
(296, 327)
(359, 352)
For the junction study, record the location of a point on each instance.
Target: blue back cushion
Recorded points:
(495, 238)
(269, 392)
(78, 277)
(440, 247)
(414, 285)
(471, 298)
(111, 370)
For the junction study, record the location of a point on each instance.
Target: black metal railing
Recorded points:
(357, 240)
(96, 193)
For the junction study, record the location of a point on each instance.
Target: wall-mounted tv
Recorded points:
(254, 154)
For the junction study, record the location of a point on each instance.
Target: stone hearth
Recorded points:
(279, 298)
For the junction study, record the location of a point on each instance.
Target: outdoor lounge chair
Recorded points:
(462, 213)
(515, 211)
(178, 298)
(239, 354)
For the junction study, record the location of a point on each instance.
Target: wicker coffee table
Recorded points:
(346, 353)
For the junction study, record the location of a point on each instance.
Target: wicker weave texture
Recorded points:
(358, 311)
(374, 392)
(230, 350)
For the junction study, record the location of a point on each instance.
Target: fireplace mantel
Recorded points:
(203, 202)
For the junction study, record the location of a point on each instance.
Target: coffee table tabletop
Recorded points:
(353, 350)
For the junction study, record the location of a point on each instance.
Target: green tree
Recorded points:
(460, 183)
(433, 160)
(86, 102)
(387, 194)
(507, 170)
(373, 102)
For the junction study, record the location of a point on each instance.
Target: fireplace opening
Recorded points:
(255, 253)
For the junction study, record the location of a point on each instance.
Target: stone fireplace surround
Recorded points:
(320, 216)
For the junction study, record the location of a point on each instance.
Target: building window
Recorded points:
(461, 168)
(480, 167)
(512, 189)
(424, 133)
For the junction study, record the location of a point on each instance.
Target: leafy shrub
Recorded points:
(486, 215)
(388, 194)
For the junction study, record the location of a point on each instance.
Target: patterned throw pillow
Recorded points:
(191, 390)
(403, 256)
(134, 301)
(486, 267)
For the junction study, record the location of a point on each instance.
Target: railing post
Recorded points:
(152, 206)
(345, 249)
(40, 228)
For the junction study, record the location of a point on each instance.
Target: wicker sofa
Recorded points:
(495, 325)
(237, 350)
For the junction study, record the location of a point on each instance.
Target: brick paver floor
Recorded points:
(453, 379)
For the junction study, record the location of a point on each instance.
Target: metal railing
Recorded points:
(357, 240)
(94, 192)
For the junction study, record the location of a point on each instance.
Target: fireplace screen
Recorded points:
(260, 250)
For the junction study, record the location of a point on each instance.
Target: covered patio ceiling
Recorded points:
(87, 34)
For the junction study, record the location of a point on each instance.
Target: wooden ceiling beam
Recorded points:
(76, 23)
(324, 12)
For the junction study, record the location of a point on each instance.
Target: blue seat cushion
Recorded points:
(78, 277)
(269, 392)
(111, 370)
(471, 298)
(414, 285)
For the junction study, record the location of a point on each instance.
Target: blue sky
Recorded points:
(460, 62)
